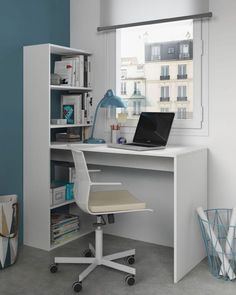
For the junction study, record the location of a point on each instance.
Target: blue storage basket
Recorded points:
(219, 221)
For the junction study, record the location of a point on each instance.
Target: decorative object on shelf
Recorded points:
(58, 121)
(69, 113)
(108, 100)
(55, 79)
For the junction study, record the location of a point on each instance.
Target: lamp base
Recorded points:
(93, 140)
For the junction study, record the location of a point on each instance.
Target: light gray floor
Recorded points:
(31, 276)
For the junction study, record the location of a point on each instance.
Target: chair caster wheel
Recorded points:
(130, 280)
(53, 268)
(88, 253)
(130, 260)
(77, 286)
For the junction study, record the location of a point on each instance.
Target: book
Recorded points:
(68, 112)
(75, 100)
(77, 69)
(87, 71)
(64, 69)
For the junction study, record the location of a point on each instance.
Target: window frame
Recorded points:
(199, 124)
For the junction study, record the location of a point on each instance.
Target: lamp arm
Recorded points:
(95, 117)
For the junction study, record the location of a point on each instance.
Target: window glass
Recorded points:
(157, 54)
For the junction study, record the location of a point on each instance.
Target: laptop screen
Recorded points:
(153, 128)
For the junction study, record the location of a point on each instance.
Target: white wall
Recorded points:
(222, 95)
(118, 12)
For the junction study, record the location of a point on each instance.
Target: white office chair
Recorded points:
(100, 203)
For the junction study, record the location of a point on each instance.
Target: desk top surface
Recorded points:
(169, 152)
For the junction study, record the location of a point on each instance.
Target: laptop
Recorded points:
(152, 132)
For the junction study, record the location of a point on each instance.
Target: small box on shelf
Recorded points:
(58, 195)
(58, 121)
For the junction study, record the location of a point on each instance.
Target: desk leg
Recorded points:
(190, 191)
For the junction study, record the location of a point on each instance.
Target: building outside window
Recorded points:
(153, 53)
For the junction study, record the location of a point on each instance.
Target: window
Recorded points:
(123, 73)
(123, 88)
(182, 71)
(155, 52)
(137, 88)
(182, 93)
(136, 108)
(171, 50)
(164, 93)
(164, 110)
(181, 113)
(168, 51)
(184, 51)
(164, 73)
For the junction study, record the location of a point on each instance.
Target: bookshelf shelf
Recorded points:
(41, 103)
(70, 125)
(62, 204)
(75, 236)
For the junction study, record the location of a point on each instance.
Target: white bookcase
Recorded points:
(37, 136)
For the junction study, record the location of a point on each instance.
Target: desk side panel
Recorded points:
(190, 191)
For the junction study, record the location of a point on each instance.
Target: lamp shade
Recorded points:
(108, 100)
(112, 100)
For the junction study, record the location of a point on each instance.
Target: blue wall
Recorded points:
(22, 22)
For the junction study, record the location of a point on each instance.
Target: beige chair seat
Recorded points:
(113, 201)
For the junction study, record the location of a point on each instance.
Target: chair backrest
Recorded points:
(82, 181)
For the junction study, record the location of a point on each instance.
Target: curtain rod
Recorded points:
(157, 21)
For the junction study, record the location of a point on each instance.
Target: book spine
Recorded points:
(81, 71)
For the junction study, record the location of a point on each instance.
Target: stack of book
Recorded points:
(63, 227)
(74, 71)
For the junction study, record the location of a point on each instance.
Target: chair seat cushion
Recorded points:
(113, 201)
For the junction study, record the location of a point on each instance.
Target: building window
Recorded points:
(155, 52)
(164, 110)
(123, 88)
(182, 93)
(174, 51)
(181, 113)
(184, 51)
(164, 93)
(123, 73)
(182, 71)
(136, 108)
(171, 50)
(165, 73)
(137, 90)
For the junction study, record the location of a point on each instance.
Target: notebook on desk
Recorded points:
(152, 132)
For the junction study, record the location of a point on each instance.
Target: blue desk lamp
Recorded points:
(109, 99)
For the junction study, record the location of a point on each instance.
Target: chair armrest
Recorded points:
(94, 170)
(106, 183)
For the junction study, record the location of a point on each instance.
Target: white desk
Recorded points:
(187, 167)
